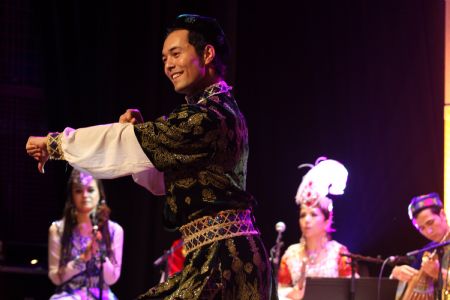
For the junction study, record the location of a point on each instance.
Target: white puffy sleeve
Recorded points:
(108, 151)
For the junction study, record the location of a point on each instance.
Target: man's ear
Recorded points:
(208, 54)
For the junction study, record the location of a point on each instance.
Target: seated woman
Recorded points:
(85, 247)
(316, 255)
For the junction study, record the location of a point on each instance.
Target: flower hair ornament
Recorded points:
(327, 176)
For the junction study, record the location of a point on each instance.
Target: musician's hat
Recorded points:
(423, 201)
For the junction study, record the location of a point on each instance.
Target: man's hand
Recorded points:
(404, 273)
(431, 267)
(37, 148)
(132, 115)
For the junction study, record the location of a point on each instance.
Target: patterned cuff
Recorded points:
(79, 264)
(54, 146)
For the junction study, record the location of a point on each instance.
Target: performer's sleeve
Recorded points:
(112, 267)
(345, 264)
(175, 260)
(56, 273)
(188, 137)
(284, 279)
(106, 151)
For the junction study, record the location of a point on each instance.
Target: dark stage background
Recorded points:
(358, 81)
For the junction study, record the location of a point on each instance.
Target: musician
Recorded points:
(317, 255)
(428, 217)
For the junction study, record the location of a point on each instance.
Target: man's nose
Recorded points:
(169, 63)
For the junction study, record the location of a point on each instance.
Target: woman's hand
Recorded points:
(296, 294)
(92, 248)
(37, 148)
(132, 115)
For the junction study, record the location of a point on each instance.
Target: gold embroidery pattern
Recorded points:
(208, 195)
(227, 274)
(160, 288)
(216, 179)
(196, 119)
(244, 289)
(185, 183)
(198, 130)
(182, 115)
(172, 204)
(54, 146)
(248, 267)
(257, 260)
(161, 139)
(218, 88)
(170, 133)
(224, 225)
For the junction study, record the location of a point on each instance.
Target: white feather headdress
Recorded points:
(327, 176)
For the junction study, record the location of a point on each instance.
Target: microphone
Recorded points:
(280, 227)
(94, 222)
(401, 259)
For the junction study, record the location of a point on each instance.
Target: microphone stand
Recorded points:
(358, 257)
(276, 259)
(432, 247)
(94, 222)
(101, 279)
(164, 259)
(354, 262)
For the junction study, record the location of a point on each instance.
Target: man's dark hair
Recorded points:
(435, 209)
(205, 31)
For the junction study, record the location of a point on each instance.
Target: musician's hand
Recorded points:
(132, 115)
(295, 294)
(431, 267)
(404, 273)
(92, 248)
(88, 252)
(37, 148)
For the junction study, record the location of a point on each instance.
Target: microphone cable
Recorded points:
(380, 275)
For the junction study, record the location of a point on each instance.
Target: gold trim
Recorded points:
(225, 224)
(54, 146)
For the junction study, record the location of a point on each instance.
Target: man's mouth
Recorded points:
(175, 75)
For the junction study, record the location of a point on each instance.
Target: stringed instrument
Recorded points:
(421, 286)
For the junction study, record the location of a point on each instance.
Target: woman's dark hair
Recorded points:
(70, 219)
